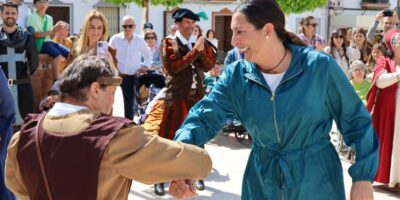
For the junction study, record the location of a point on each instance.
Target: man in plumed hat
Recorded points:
(185, 59)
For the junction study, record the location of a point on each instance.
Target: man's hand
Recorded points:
(361, 190)
(182, 189)
(142, 70)
(57, 27)
(379, 15)
(319, 46)
(199, 44)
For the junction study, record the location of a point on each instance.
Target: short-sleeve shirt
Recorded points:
(37, 22)
(313, 42)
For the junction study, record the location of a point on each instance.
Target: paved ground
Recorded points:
(229, 160)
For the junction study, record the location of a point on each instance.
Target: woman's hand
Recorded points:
(361, 190)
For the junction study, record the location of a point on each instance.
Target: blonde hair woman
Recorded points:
(94, 29)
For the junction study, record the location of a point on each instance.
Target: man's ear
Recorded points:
(94, 90)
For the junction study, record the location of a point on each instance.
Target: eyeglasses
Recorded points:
(338, 36)
(149, 38)
(314, 25)
(126, 26)
(358, 70)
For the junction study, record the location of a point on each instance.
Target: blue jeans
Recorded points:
(128, 92)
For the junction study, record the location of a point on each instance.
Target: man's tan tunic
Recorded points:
(131, 155)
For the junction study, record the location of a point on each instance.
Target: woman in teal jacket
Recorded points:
(286, 96)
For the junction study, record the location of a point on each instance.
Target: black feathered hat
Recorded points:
(184, 12)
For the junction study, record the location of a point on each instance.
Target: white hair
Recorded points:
(358, 64)
(126, 17)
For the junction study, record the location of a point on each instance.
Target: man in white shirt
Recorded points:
(130, 49)
(23, 12)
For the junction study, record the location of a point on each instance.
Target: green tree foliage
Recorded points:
(299, 6)
(167, 3)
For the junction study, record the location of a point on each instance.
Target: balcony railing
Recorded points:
(375, 4)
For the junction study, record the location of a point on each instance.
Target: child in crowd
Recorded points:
(52, 97)
(43, 25)
(378, 50)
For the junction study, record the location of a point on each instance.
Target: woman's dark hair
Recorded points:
(305, 21)
(210, 31)
(365, 50)
(332, 46)
(200, 31)
(261, 12)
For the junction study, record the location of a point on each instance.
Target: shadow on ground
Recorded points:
(229, 140)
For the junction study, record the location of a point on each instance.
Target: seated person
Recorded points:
(43, 25)
(61, 37)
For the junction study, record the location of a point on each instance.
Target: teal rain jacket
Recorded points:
(291, 157)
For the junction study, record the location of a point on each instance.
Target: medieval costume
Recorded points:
(383, 101)
(19, 59)
(7, 117)
(185, 68)
(112, 152)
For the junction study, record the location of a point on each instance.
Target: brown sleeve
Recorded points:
(172, 62)
(13, 178)
(151, 159)
(207, 57)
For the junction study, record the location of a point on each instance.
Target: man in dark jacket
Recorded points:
(18, 58)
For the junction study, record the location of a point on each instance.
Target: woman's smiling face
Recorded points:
(246, 37)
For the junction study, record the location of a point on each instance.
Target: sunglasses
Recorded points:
(314, 25)
(128, 26)
(338, 36)
(149, 38)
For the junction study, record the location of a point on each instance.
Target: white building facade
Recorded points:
(349, 13)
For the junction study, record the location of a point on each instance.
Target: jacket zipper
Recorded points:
(277, 134)
(275, 122)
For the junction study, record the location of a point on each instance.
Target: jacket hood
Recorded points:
(19, 39)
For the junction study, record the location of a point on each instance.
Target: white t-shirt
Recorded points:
(23, 12)
(60, 109)
(273, 80)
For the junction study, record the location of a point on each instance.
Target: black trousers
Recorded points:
(128, 93)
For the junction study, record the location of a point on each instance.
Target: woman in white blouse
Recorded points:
(343, 55)
(211, 37)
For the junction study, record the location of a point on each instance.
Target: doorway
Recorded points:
(59, 13)
(223, 32)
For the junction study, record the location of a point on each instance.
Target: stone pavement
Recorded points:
(229, 158)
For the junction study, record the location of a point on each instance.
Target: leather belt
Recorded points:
(12, 82)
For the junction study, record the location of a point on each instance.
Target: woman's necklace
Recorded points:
(270, 69)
